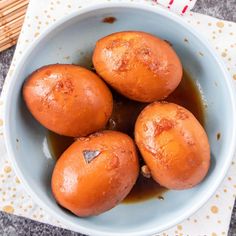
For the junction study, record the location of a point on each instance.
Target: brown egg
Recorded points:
(139, 65)
(68, 99)
(95, 173)
(173, 144)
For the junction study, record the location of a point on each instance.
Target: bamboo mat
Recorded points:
(12, 13)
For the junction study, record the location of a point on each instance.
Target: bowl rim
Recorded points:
(10, 147)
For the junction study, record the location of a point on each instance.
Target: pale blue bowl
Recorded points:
(75, 36)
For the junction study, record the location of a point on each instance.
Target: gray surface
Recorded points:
(14, 225)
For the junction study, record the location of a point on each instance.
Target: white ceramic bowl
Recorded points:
(75, 36)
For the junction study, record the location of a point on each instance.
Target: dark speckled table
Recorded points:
(11, 225)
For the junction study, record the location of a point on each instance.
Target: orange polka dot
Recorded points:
(7, 169)
(17, 180)
(220, 24)
(179, 227)
(8, 209)
(214, 209)
(36, 34)
(224, 54)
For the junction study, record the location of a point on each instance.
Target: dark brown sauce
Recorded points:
(109, 19)
(123, 119)
(144, 189)
(58, 144)
(124, 115)
(188, 95)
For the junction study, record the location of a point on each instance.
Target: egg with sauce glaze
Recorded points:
(68, 99)
(173, 144)
(95, 173)
(138, 65)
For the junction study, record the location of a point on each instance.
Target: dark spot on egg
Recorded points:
(64, 86)
(89, 155)
(218, 136)
(163, 125)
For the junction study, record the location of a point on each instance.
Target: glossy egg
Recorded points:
(173, 144)
(68, 99)
(139, 65)
(95, 173)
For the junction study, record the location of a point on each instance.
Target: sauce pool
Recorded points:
(123, 119)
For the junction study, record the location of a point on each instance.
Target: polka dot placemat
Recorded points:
(213, 218)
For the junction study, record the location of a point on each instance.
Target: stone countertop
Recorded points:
(11, 225)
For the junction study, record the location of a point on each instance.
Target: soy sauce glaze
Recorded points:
(123, 119)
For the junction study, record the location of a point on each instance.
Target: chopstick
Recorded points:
(8, 44)
(11, 8)
(5, 3)
(12, 13)
(10, 34)
(12, 25)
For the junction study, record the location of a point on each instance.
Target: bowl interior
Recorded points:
(73, 42)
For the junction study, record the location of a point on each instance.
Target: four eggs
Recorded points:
(100, 168)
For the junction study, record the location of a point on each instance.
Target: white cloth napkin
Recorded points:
(213, 218)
